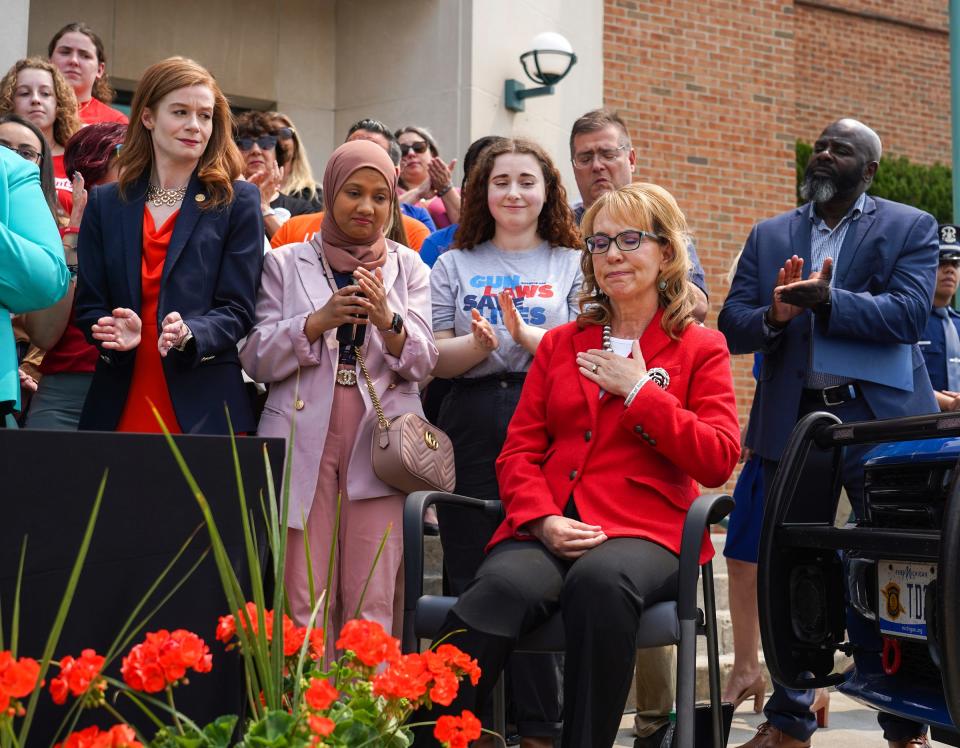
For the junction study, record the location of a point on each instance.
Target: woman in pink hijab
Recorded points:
(347, 289)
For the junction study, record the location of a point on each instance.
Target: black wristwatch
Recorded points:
(396, 327)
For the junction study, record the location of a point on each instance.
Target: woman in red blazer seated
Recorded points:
(623, 412)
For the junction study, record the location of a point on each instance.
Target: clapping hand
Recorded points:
(484, 335)
(513, 321)
(79, 200)
(371, 284)
(173, 331)
(119, 332)
(268, 181)
(440, 173)
(811, 292)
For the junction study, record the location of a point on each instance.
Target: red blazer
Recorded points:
(632, 471)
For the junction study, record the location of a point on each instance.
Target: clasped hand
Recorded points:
(346, 307)
(614, 374)
(565, 537)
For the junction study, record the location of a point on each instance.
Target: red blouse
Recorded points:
(149, 382)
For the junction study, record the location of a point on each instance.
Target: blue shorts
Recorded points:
(746, 519)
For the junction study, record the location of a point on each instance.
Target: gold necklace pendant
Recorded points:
(160, 196)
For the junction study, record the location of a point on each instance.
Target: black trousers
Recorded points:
(600, 595)
(475, 414)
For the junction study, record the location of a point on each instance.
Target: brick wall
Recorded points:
(889, 66)
(715, 93)
(707, 90)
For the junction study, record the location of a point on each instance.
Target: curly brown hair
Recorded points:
(556, 224)
(651, 208)
(67, 121)
(221, 162)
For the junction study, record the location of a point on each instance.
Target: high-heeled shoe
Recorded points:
(821, 707)
(756, 690)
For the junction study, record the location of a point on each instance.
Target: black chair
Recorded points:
(674, 622)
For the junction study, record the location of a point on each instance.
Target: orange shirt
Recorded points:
(149, 381)
(302, 228)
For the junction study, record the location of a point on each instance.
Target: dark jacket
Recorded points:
(210, 277)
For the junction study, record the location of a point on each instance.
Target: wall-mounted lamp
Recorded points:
(551, 59)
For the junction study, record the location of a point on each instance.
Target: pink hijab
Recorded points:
(341, 252)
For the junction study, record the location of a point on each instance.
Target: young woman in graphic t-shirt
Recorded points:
(514, 275)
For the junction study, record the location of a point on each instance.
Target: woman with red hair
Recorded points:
(170, 258)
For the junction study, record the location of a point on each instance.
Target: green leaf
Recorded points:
(275, 730)
(219, 732)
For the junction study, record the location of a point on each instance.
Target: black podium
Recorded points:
(48, 483)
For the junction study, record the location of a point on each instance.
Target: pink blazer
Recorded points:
(293, 286)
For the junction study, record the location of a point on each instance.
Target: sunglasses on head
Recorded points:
(419, 147)
(266, 143)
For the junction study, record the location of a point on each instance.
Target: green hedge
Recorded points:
(926, 187)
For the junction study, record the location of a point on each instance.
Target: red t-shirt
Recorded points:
(71, 354)
(63, 184)
(94, 111)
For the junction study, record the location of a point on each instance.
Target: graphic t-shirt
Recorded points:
(545, 282)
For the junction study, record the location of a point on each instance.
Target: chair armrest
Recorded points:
(413, 511)
(707, 510)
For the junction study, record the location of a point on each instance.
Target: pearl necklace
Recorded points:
(607, 334)
(659, 376)
(160, 196)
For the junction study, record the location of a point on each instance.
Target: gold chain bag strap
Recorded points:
(408, 452)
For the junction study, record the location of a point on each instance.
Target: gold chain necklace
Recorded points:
(160, 196)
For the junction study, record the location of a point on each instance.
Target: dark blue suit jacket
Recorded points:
(882, 291)
(210, 277)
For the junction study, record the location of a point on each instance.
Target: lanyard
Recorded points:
(350, 337)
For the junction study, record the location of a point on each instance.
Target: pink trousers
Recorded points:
(362, 524)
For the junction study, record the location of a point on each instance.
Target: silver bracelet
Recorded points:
(636, 388)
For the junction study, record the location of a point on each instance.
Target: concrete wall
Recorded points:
(327, 63)
(258, 57)
(405, 63)
(502, 31)
(13, 31)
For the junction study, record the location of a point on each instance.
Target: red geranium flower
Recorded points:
(405, 678)
(77, 675)
(18, 678)
(321, 725)
(163, 659)
(369, 642)
(457, 732)
(293, 635)
(118, 736)
(320, 694)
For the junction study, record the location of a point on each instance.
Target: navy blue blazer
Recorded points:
(882, 291)
(210, 277)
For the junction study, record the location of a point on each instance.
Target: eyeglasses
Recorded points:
(283, 133)
(626, 241)
(266, 143)
(606, 156)
(25, 152)
(419, 147)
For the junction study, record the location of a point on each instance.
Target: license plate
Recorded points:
(903, 588)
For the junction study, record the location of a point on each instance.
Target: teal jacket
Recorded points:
(33, 274)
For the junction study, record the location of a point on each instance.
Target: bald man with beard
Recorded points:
(843, 272)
